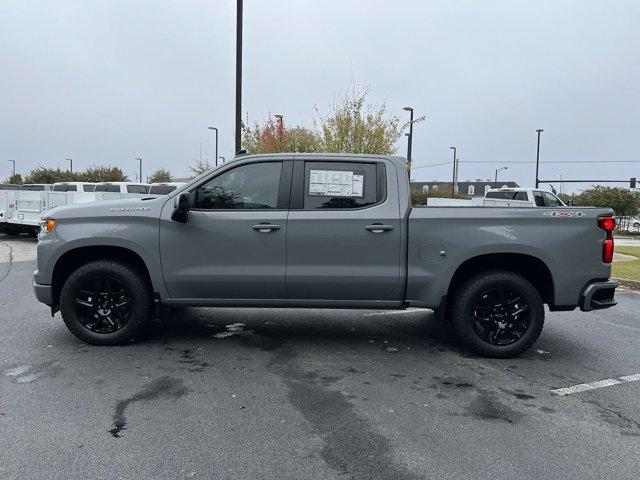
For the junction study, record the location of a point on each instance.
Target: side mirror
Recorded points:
(181, 209)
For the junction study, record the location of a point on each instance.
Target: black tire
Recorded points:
(497, 314)
(105, 302)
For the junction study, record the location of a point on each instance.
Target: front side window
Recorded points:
(551, 200)
(33, 188)
(251, 186)
(340, 185)
(60, 188)
(137, 189)
(161, 189)
(108, 188)
(88, 187)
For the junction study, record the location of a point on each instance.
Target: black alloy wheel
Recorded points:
(103, 305)
(501, 316)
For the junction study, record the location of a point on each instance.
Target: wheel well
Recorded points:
(531, 268)
(73, 259)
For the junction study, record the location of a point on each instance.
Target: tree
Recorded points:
(97, 173)
(160, 175)
(274, 137)
(624, 203)
(355, 126)
(201, 166)
(16, 179)
(50, 175)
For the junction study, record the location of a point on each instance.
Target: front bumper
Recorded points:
(44, 293)
(598, 295)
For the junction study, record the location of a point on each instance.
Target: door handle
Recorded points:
(265, 227)
(379, 228)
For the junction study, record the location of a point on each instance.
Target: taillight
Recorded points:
(607, 224)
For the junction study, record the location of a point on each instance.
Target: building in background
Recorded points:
(470, 188)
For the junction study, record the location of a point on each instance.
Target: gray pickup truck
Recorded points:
(326, 231)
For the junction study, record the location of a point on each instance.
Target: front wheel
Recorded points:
(498, 314)
(106, 303)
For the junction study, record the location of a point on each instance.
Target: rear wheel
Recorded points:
(106, 303)
(498, 314)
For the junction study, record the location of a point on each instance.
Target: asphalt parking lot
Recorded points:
(312, 394)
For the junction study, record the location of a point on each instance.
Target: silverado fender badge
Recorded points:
(129, 209)
(563, 213)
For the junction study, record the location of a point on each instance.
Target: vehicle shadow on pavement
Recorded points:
(329, 328)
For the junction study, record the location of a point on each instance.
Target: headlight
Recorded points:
(46, 226)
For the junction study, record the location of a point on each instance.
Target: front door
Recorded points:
(344, 231)
(233, 243)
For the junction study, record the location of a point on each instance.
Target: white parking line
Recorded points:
(583, 387)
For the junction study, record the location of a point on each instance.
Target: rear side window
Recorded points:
(137, 189)
(341, 185)
(539, 199)
(508, 195)
(33, 188)
(88, 187)
(9, 186)
(60, 188)
(108, 188)
(249, 187)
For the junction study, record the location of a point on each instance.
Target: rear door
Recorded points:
(344, 230)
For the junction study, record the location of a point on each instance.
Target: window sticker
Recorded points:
(335, 183)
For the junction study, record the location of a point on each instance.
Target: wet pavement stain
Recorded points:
(488, 407)
(162, 388)
(352, 446)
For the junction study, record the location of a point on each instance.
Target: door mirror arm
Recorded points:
(181, 208)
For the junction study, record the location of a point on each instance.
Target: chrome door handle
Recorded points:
(379, 228)
(265, 227)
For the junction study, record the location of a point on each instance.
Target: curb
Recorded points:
(633, 284)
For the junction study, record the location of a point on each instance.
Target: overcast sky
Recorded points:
(104, 81)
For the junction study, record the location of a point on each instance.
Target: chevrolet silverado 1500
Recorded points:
(327, 231)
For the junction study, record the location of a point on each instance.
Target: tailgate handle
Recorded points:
(265, 227)
(379, 228)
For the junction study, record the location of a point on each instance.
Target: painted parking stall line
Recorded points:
(584, 387)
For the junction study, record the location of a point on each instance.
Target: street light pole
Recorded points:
(70, 164)
(539, 131)
(216, 130)
(279, 126)
(239, 76)
(410, 140)
(14, 167)
(495, 180)
(561, 183)
(140, 162)
(453, 180)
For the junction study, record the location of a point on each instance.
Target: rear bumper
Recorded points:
(598, 295)
(44, 293)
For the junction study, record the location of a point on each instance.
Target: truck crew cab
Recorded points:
(322, 230)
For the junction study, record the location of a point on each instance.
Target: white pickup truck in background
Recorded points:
(520, 197)
(502, 197)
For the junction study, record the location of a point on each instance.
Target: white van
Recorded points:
(7, 203)
(520, 197)
(114, 190)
